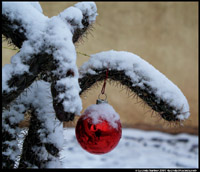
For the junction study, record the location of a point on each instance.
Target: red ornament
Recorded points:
(98, 130)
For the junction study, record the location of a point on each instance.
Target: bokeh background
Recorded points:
(163, 33)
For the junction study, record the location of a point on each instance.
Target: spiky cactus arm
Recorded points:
(141, 78)
(89, 13)
(23, 81)
(29, 158)
(119, 76)
(24, 66)
(44, 140)
(10, 132)
(7, 161)
(65, 80)
(16, 27)
(15, 36)
(35, 153)
(43, 53)
(40, 148)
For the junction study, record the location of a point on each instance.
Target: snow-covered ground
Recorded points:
(136, 149)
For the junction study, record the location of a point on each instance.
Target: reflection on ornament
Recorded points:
(98, 130)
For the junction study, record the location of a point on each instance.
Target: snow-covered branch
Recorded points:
(38, 151)
(10, 132)
(16, 36)
(139, 76)
(20, 21)
(48, 46)
(44, 140)
(18, 75)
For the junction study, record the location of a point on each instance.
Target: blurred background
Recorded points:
(163, 33)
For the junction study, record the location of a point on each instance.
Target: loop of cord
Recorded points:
(100, 98)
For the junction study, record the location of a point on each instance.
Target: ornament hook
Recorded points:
(101, 100)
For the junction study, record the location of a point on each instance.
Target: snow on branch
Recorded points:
(80, 17)
(22, 21)
(89, 11)
(148, 83)
(47, 44)
(44, 141)
(10, 132)
(45, 135)
(20, 74)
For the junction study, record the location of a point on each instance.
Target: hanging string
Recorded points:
(104, 84)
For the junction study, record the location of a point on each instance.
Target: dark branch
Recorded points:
(13, 30)
(10, 133)
(163, 108)
(58, 106)
(29, 157)
(78, 33)
(6, 160)
(37, 63)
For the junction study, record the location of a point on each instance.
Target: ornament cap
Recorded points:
(99, 101)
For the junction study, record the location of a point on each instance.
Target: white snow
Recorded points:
(136, 149)
(102, 111)
(34, 21)
(29, 13)
(54, 36)
(89, 9)
(74, 16)
(39, 96)
(37, 6)
(140, 72)
(14, 115)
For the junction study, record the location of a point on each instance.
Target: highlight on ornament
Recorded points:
(98, 130)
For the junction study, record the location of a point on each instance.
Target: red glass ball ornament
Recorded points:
(98, 130)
